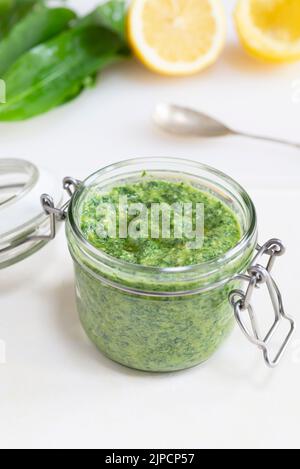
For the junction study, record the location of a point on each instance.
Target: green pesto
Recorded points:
(153, 334)
(158, 334)
(221, 229)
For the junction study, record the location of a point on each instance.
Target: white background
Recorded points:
(56, 390)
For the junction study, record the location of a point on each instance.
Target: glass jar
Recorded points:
(167, 319)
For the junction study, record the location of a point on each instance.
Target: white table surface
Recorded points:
(56, 390)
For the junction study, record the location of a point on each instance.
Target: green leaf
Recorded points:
(54, 72)
(5, 6)
(37, 27)
(12, 11)
(111, 15)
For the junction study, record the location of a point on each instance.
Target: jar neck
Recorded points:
(180, 280)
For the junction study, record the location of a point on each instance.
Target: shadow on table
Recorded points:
(238, 59)
(233, 56)
(24, 273)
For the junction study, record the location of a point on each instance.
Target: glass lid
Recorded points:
(21, 212)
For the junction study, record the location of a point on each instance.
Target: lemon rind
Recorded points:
(257, 42)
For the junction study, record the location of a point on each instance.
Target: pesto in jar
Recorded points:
(221, 229)
(156, 333)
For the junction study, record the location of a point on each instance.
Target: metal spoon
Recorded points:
(187, 122)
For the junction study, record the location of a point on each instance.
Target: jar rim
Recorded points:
(205, 267)
(26, 169)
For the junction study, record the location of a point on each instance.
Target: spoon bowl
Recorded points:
(186, 122)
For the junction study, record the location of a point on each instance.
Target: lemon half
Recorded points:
(270, 29)
(177, 37)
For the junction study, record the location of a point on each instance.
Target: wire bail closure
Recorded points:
(70, 185)
(241, 301)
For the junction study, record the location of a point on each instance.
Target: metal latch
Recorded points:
(259, 275)
(70, 185)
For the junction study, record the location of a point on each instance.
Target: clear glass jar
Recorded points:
(156, 319)
(147, 318)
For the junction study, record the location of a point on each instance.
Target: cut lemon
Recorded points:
(177, 37)
(270, 29)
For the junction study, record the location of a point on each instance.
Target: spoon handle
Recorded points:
(269, 139)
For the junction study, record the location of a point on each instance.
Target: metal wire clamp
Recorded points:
(70, 185)
(241, 302)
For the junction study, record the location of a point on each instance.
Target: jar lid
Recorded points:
(21, 212)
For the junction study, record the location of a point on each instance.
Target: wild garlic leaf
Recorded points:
(111, 15)
(55, 72)
(38, 26)
(12, 11)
